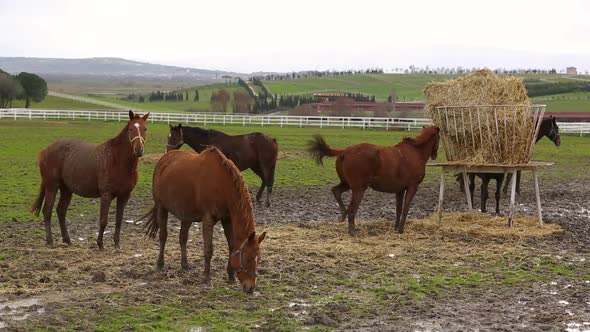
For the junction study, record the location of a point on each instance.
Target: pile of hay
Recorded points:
(485, 226)
(485, 119)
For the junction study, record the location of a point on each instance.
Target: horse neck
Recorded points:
(242, 217)
(424, 150)
(544, 130)
(123, 150)
(195, 141)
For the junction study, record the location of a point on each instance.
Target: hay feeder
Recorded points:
(489, 139)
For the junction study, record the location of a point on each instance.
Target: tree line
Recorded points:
(24, 86)
(315, 73)
(537, 88)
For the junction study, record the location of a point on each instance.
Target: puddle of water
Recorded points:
(25, 303)
(577, 327)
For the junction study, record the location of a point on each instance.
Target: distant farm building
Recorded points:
(229, 79)
(571, 71)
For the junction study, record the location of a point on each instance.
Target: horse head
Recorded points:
(175, 138)
(244, 261)
(554, 132)
(435, 136)
(137, 128)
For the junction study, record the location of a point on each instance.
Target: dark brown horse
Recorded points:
(107, 170)
(548, 128)
(485, 181)
(206, 188)
(255, 151)
(395, 169)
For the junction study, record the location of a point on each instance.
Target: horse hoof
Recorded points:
(67, 241)
(353, 232)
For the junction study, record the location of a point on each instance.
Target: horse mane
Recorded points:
(244, 202)
(202, 132)
(423, 138)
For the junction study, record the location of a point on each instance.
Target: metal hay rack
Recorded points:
(489, 134)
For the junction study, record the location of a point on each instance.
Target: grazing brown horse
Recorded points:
(107, 170)
(206, 188)
(395, 169)
(255, 151)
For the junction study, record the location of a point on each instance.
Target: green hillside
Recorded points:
(408, 87)
(53, 102)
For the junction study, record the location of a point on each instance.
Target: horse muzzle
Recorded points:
(248, 289)
(138, 152)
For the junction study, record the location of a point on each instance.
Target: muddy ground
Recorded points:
(75, 287)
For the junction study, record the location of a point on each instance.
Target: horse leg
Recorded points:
(65, 197)
(258, 172)
(498, 187)
(183, 239)
(50, 193)
(227, 229)
(485, 181)
(508, 178)
(355, 201)
(121, 203)
(471, 186)
(208, 225)
(399, 205)
(518, 182)
(269, 175)
(105, 204)
(410, 192)
(337, 191)
(162, 220)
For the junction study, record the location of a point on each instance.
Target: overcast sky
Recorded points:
(274, 35)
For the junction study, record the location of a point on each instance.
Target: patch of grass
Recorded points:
(53, 102)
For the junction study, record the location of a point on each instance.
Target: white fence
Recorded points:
(581, 128)
(224, 119)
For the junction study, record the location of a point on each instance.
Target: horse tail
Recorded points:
(36, 208)
(151, 227)
(318, 148)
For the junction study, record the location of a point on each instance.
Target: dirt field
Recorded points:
(313, 275)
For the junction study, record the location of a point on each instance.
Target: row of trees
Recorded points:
(315, 73)
(24, 86)
(537, 88)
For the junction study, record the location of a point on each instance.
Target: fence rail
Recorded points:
(581, 128)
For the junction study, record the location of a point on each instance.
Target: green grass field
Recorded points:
(21, 179)
(52, 102)
(408, 87)
(312, 268)
(203, 105)
(566, 102)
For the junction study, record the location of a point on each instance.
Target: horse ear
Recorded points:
(180, 125)
(145, 117)
(171, 126)
(131, 115)
(261, 237)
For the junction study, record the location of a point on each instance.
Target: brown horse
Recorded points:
(107, 170)
(255, 151)
(206, 188)
(395, 169)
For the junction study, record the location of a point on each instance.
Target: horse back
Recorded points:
(190, 185)
(72, 163)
